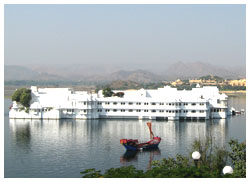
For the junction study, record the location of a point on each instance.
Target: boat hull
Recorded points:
(133, 145)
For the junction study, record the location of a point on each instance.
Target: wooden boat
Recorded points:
(133, 144)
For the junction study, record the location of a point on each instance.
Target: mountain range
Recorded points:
(106, 73)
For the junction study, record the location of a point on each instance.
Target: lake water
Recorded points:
(48, 148)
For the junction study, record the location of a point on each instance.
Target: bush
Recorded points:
(122, 172)
(182, 172)
(211, 156)
(170, 163)
(156, 172)
(238, 157)
(107, 92)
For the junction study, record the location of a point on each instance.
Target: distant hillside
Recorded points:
(140, 76)
(211, 77)
(198, 69)
(23, 73)
(108, 73)
(121, 85)
(124, 85)
(137, 76)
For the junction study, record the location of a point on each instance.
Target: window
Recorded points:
(99, 110)
(153, 110)
(130, 110)
(145, 103)
(193, 111)
(161, 103)
(201, 104)
(107, 103)
(153, 103)
(161, 110)
(130, 103)
(122, 110)
(84, 103)
(145, 110)
(138, 110)
(122, 103)
(216, 110)
(99, 103)
(114, 110)
(185, 104)
(193, 104)
(201, 111)
(106, 110)
(218, 101)
(115, 103)
(166, 110)
(176, 111)
(138, 103)
(84, 110)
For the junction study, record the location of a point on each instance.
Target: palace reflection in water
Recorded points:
(87, 132)
(92, 143)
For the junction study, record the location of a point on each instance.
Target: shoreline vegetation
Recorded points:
(210, 164)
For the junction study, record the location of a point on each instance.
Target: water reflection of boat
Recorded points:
(131, 144)
(130, 156)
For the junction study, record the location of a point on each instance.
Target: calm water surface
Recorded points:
(64, 148)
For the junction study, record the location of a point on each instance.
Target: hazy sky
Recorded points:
(118, 34)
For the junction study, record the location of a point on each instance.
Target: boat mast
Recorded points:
(150, 130)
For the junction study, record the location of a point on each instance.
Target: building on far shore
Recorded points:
(211, 81)
(163, 103)
(177, 82)
(240, 82)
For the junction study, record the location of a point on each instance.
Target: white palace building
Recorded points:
(163, 103)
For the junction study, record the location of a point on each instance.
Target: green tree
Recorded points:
(25, 99)
(107, 92)
(16, 95)
(22, 96)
